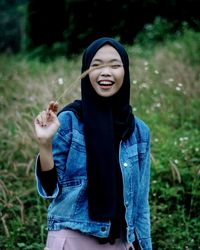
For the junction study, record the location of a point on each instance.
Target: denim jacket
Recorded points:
(69, 202)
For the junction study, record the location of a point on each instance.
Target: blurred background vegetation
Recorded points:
(40, 57)
(48, 28)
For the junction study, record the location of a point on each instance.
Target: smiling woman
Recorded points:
(94, 160)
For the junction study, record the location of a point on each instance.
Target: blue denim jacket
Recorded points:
(69, 205)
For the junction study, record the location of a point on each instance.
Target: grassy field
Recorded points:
(165, 90)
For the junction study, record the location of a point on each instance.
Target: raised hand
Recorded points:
(47, 123)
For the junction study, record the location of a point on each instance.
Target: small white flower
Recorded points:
(134, 109)
(197, 149)
(144, 85)
(146, 68)
(134, 81)
(60, 81)
(146, 63)
(156, 140)
(171, 80)
(178, 88)
(176, 161)
(180, 84)
(158, 105)
(183, 139)
(156, 72)
(147, 111)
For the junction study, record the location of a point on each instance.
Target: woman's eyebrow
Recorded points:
(110, 61)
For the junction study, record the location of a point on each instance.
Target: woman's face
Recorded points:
(107, 80)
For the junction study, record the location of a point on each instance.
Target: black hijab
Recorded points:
(107, 120)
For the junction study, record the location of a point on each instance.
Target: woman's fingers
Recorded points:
(53, 105)
(51, 117)
(46, 118)
(42, 118)
(48, 115)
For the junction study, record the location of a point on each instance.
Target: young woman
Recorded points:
(94, 160)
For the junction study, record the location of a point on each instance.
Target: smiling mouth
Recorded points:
(105, 83)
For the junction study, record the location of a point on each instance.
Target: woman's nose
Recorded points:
(105, 71)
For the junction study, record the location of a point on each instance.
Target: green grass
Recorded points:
(165, 93)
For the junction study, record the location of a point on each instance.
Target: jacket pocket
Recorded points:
(65, 205)
(137, 150)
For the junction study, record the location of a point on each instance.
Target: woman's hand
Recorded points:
(47, 123)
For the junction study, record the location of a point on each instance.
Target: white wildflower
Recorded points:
(158, 105)
(183, 139)
(134, 109)
(176, 161)
(134, 81)
(144, 85)
(60, 81)
(147, 111)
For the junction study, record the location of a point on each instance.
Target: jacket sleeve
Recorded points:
(48, 178)
(142, 224)
(47, 185)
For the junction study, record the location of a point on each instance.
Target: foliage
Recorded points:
(47, 27)
(157, 31)
(164, 93)
(12, 25)
(162, 31)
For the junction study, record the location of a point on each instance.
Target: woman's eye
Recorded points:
(95, 65)
(116, 66)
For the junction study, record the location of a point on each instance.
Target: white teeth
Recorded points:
(105, 83)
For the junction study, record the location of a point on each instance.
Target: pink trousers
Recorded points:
(73, 240)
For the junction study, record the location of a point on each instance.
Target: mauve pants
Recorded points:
(73, 240)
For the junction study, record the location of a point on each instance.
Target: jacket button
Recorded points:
(125, 164)
(103, 229)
